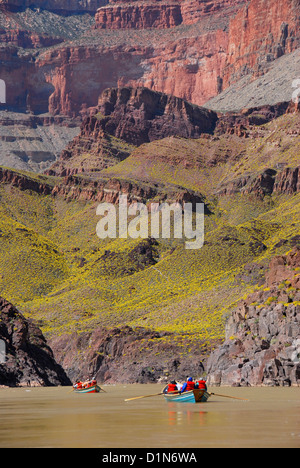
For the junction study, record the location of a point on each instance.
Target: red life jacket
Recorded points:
(93, 382)
(190, 386)
(172, 387)
(202, 384)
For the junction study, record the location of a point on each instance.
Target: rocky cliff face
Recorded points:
(124, 355)
(255, 42)
(33, 143)
(157, 14)
(139, 15)
(262, 345)
(132, 117)
(192, 50)
(29, 360)
(62, 6)
(140, 115)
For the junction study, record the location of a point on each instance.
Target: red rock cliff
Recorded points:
(158, 14)
(261, 32)
(193, 50)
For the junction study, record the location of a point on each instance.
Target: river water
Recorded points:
(59, 418)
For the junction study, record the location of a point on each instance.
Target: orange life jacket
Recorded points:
(202, 384)
(190, 386)
(172, 387)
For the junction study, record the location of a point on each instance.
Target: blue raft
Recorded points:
(193, 396)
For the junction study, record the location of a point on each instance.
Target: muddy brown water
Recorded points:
(59, 418)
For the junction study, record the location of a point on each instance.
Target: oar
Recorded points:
(144, 396)
(147, 396)
(226, 396)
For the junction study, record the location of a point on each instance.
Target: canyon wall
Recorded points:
(192, 50)
(62, 6)
(29, 361)
(262, 336)
(159, 14)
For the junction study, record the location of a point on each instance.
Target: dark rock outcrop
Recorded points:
(125, 355)
(139, 115)
(262, 345)
(28, 360)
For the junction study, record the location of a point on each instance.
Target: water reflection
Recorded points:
(185, 416)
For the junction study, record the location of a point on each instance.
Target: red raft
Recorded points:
(92, 389)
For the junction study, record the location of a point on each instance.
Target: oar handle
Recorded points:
(227, 396)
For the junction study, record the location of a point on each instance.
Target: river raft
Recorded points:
(193, 396)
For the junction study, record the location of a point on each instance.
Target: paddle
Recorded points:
(147, 396)
(226, 396)
(143, 396)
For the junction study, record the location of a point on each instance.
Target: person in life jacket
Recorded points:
(86, 384)
(188, 385)
(93, 382)
(201, 384)
(78, 384)
(172, 387)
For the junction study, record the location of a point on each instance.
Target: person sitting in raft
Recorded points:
(172, 387)
(201, 384)
(188, 385)
(78, 384)
(93, 381)
(86, 384)
(89, 383)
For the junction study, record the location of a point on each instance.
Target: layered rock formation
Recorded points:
(140, 115)
(33, 143)
(262, 345)
(62, 6)
(28, 360)
(254, 42)
(134, 117)
(158, 14)
(124, 355)
(139, 15)
(193, 50)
